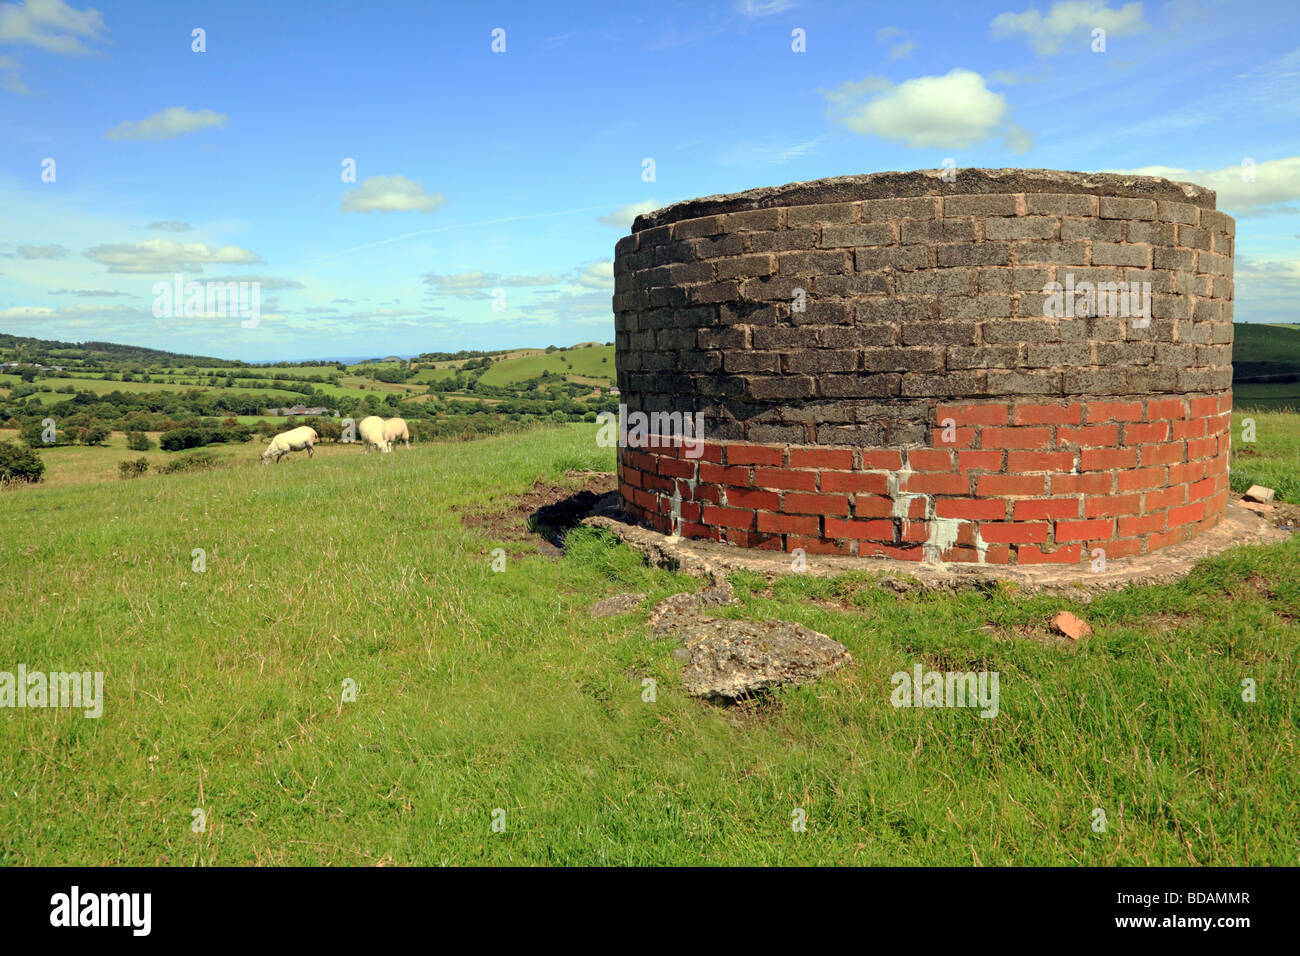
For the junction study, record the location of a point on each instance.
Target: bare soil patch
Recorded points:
(545, 512)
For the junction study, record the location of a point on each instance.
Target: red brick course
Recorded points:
(1034, 483)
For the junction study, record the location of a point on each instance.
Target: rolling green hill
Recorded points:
(1260, 350)
(593, 362)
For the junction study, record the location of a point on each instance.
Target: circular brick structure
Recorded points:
(882, 365)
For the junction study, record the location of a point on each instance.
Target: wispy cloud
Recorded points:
(168, 124)
(1069, 20)
(51, 25)
(391, 194)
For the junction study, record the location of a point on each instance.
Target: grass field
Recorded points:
(480, 691)
(585, 362)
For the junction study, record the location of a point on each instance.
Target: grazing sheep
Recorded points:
(395, 429)
(371, 431)
(295, 439)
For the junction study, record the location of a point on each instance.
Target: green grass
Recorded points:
(584, 362)
(1275, 395)
(481, 690)
(1273, 458)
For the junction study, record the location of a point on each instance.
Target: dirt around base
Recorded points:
(713, 561)
(545, 512)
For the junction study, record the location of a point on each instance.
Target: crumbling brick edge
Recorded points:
(714, 561)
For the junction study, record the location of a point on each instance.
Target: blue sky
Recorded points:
(518, 171)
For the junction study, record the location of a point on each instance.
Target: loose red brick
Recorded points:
(1114, 412)
(1203, 489)
(1200, 407)
(1047, 415)
(1202, 448)
(1029, 508)
(785, 478)
(1098, 528)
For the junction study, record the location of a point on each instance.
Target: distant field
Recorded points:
(1276, 395)
(1260, 349)
(583, 362)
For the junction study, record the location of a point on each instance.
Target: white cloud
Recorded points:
(50, 24)
(623, 216)
(268, 283)
(170, 123)
(10, 81)
(599, 275)
(1069, 19)
(43, 252)
(954, 111)
(390, 194)
(898, 50)
(763, 8)
(167, 255)
(1276, 183)
(475, 284)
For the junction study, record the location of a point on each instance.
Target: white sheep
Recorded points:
(295, 439)
(395, 430)
(371, 431)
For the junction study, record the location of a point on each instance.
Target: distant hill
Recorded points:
(1262, 353)
(73, 354)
